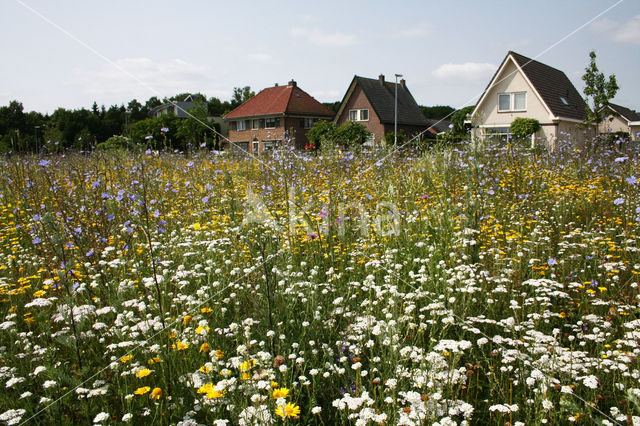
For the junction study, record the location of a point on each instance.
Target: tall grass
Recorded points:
(475, 284)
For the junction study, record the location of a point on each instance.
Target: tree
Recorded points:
(322, 132)
(241, 95)
(598, 91)
(523, 127)
(458, 118)
(438, 112)
(352, 134)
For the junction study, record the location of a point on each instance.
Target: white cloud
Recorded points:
(469, 71)
(259, 57)
(139, 77)
(621, 32)
(417, 31)
(326, 39)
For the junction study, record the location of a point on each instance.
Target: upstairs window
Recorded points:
(307, 123)
(240, 125)
(358, 115)
(271, 123)
(255, 124)
(510, 102)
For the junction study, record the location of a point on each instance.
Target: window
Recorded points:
(359, 115)
(271, 123)
(255, 124)
(240, 125)
(241, 147)
(307, 123)
(256, 146)
(516, 101)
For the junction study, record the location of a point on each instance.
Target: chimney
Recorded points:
(381, 78)
(403, 83)
(292, 83)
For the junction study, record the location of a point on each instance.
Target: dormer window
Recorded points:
(512, 102)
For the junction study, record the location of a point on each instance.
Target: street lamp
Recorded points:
(395, 121)
(36, 129)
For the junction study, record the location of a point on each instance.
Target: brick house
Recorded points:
(371, 102)
(273, 116)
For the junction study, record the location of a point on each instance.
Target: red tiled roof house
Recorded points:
(275, 115)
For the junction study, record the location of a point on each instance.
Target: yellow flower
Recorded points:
(143, 373)
(126, 358)
(245, 366)
(156, 393)
(219, 354)
(206, 369)
(210, 391)
(200, 329)
(39, 293)
(289, 410)
(181, 346)
(142, 390)
(205, 347)
(562, 315)
(153, 360)
(186, 320)
(280, 393)
(206, 310)
(196, 226)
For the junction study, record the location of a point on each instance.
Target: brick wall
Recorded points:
(358, 100)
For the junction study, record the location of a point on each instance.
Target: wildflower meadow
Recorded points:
(476, 284)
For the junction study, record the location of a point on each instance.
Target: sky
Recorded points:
(72, 53)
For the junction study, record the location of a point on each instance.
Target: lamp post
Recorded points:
(395, 121)
(36, 130)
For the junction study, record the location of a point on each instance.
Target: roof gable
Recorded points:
(551, 85)
(381, 96)
(626, 113)
(281, 100)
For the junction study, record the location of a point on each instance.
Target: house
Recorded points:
(371, 102)
(621, 119)
(178, 108)
(523, 87)
(275, 115)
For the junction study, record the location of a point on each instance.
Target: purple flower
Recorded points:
(44, 163)
(90, 253)
(621, 159)
(36, 240)
(146, 138)
(490, 191)
(618, 201)
(551, 261)
(164, 129)
(632, 180)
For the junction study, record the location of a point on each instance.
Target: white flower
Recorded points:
(316, 410)
(127, 417)
(49, 384)
(101, 417)
(590, 381)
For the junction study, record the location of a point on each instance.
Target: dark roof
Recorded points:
(553, 86)
(439, 125)
(626, 113)
(280, 100)
(382, 98)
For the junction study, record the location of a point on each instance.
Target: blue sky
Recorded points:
(72, 53)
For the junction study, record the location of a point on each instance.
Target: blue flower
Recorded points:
(551, 261)
(618, 201)
(90, 253)
(632, 180)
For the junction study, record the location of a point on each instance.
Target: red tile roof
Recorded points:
(280, 100)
